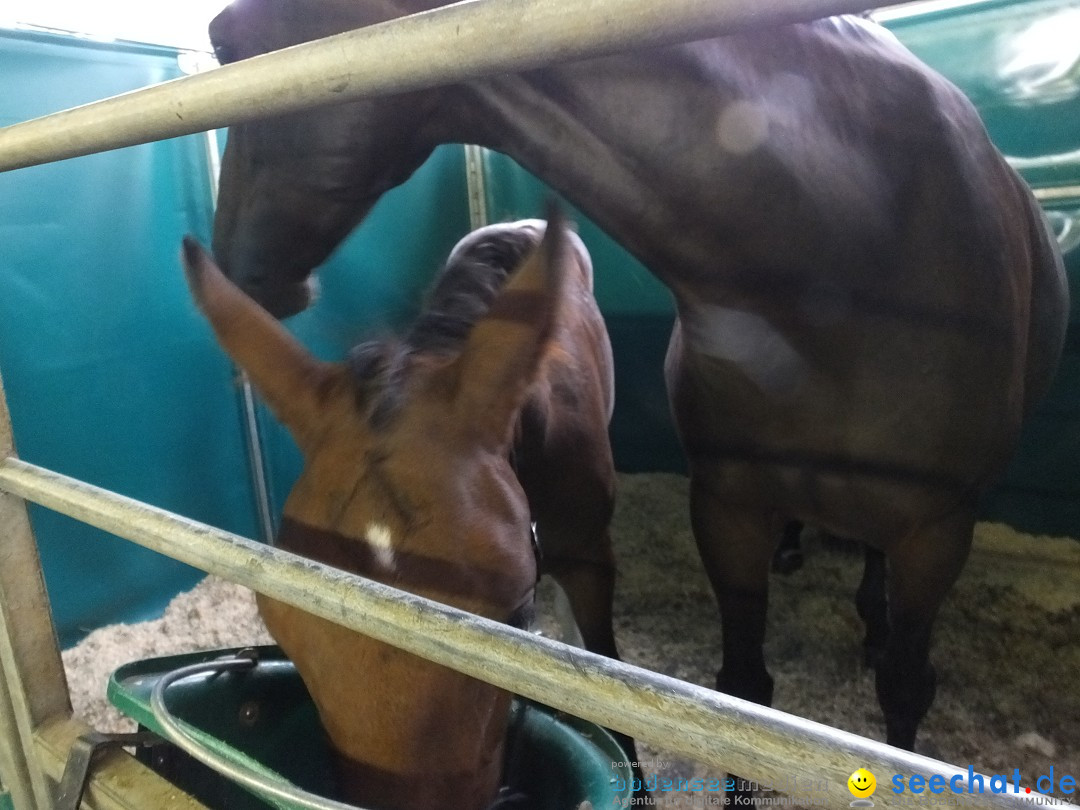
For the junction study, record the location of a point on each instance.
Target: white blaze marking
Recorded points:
(382, 542)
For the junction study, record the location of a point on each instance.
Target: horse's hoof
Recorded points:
(787, 561)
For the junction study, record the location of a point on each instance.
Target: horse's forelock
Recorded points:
(368, 360)
(378, 369)
(464, 293)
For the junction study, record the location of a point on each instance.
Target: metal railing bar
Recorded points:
(450, 44)
(1049, 194)
(724, 732)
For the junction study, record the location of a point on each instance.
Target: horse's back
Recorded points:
(561, 451)
(884, 303)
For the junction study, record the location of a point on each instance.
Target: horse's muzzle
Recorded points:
(284, 300)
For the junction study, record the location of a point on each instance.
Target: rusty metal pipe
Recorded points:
(450, 44)
(757, 742)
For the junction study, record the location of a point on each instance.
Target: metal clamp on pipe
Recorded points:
(81, 760)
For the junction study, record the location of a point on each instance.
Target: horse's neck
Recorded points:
(593, 131)
(690, 156)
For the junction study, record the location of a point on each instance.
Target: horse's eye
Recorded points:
(224, 54)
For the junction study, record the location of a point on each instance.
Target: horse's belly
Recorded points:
(815, 422)
(747, 346)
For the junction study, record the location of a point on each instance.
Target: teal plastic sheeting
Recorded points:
(109, 372)
(1016, 61)
(111, 375)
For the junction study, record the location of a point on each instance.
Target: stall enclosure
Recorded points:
(113, 379)
(111, 374)
(701, 723)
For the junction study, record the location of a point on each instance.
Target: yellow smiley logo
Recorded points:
(862, 783)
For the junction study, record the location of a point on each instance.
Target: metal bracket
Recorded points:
(81, 758)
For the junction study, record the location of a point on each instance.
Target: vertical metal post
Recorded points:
(476, 183)
(33, 688)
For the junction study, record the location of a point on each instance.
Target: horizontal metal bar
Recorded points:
(450, 44)
(724, 732)
(1059, 160)
(1057, 194)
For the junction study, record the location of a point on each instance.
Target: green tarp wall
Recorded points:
(983, 51)
(113, 378)
(110, 373)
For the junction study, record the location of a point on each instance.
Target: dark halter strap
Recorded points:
(342, 552)
(510, 796)
(348, 554)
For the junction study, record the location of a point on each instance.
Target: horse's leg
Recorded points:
(572, 509)
(571, 490)
(589, 585)
(569, 632)
(585, 574)
(736, 546)
(922, 569)
(788, 557)
(871, 602)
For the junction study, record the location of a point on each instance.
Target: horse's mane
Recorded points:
(464, 291)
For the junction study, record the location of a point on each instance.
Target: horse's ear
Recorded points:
(290, 379)
(505, 347)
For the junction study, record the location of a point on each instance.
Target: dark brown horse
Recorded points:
(868, 299)
(425, 460)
